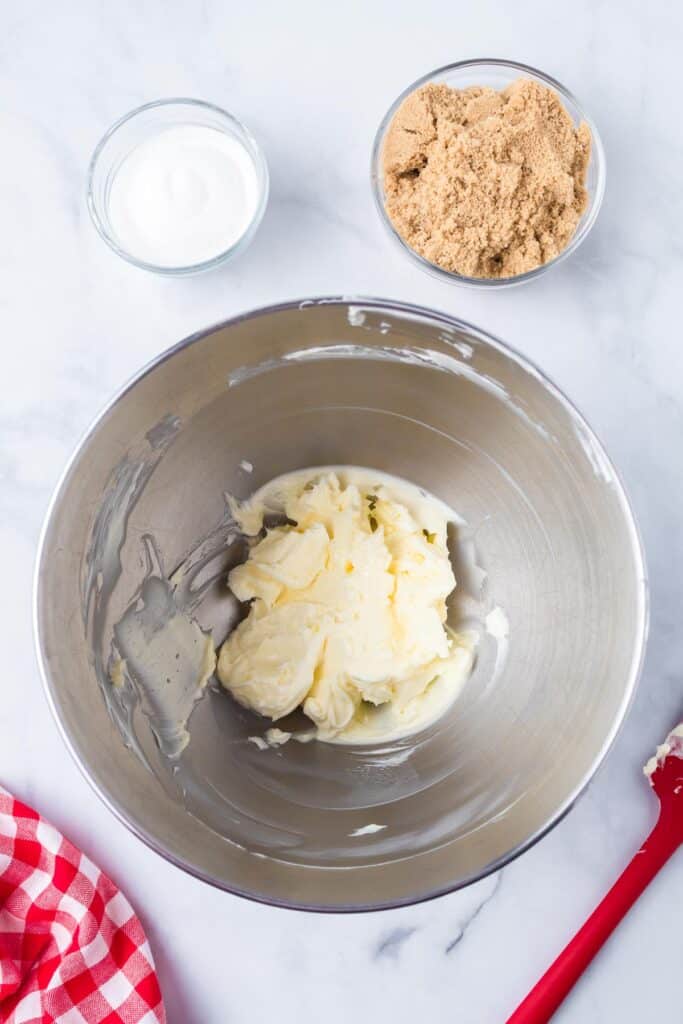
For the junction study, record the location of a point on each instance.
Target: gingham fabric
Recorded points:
(71, 949)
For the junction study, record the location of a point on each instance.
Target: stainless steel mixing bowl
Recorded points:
(417, 394)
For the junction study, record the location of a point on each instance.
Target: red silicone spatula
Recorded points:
(665, 772)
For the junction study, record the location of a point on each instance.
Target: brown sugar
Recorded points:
(485, 183)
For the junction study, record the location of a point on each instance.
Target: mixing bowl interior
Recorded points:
(409, 393)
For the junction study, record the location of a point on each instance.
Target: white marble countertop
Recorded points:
(312, 81)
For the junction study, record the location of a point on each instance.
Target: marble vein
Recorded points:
(391, 944)
(471, 918)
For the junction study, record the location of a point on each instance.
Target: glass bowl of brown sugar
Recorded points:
(487, 173)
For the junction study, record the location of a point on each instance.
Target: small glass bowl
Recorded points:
(138, 126)
(497, 74)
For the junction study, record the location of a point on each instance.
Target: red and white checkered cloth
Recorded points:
(72, 950)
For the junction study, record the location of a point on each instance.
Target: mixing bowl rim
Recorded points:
(388, 306)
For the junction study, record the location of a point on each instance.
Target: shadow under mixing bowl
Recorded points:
(419, 395)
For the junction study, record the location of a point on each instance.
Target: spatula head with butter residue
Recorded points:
(665, 773)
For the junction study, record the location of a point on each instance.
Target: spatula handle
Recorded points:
(548, 994)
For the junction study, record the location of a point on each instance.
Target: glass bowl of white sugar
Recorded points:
(177, 186)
